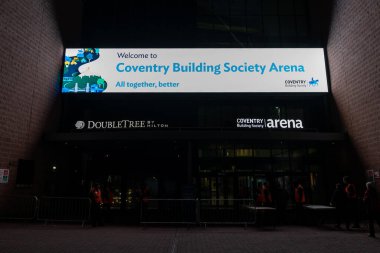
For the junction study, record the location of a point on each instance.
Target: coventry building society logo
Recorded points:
(80, 124)
(269, 123)
(301, 83)
(313, 82)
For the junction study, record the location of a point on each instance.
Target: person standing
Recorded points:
(352, 208)
(96, 203)
(338, 200)
(260, 195)
(371, 203)
(299, 194)
(267, 195)
(299, 200)
(144, 201)
(107, 198)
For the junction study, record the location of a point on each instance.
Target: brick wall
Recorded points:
(31, 52)
(354, 59)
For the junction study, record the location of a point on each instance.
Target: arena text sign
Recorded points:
(260, 123)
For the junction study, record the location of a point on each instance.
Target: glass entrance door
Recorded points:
(218, 188)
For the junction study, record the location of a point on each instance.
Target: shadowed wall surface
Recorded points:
(31, 52)
(353, 52)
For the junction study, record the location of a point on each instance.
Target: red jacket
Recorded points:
(96, 195)
(350, 191)
(299, 195)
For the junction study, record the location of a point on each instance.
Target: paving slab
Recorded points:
(61, 238)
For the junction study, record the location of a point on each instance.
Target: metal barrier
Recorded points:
(198, 211)
(159, 211)
(168, 211)
(18, 207)
(64, 209)
(227, 211)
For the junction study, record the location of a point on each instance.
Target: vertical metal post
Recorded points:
(189, 162)
(197, 211)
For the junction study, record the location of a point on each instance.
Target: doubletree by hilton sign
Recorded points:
(118, 124)
(269, 123)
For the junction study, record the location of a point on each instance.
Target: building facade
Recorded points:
(201, 154)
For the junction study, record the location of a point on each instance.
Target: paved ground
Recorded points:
(26, 238)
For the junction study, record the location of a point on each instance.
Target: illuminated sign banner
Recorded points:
(94, 70)
(260, 123)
